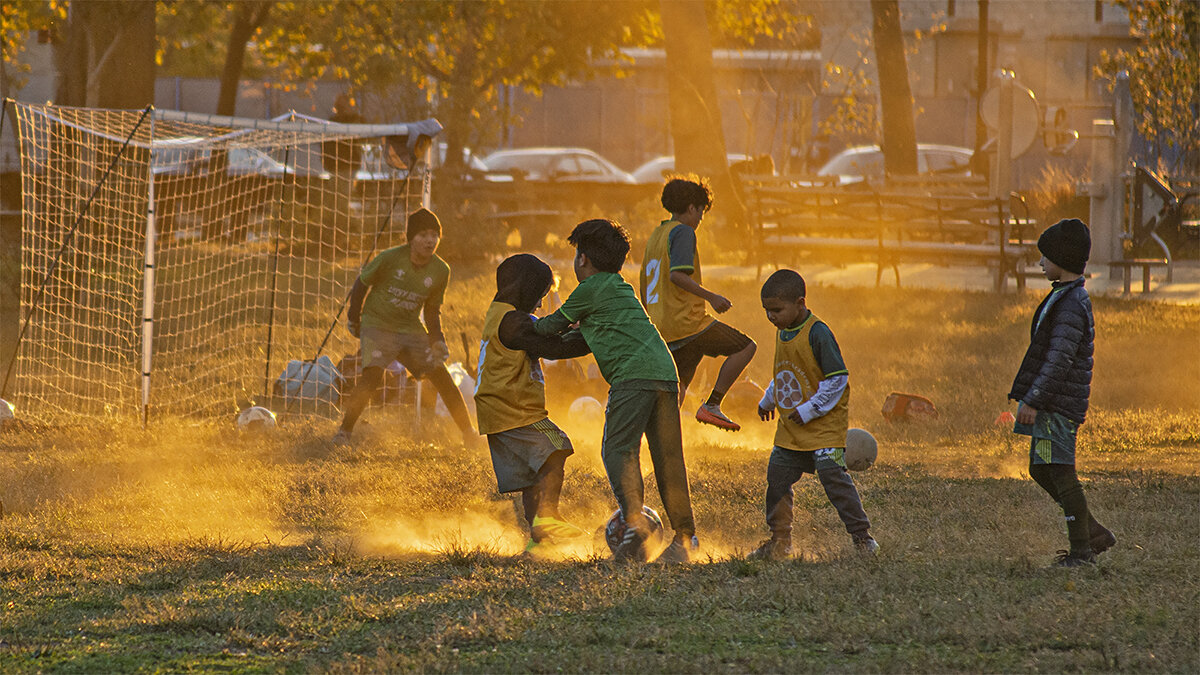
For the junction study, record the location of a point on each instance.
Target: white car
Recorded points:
(655, 170)
(856, 164)
(576, 165)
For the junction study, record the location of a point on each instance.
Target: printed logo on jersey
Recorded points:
(790, 391)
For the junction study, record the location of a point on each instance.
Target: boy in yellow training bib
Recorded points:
(528, 450)
(811, 391)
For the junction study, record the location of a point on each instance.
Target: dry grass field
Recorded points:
(194, 548)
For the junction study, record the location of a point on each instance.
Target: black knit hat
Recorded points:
(421, 220)
(1067, 244)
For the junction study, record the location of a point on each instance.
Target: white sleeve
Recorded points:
(768, 399)
(829, 392)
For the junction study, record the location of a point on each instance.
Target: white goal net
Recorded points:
(176, 262)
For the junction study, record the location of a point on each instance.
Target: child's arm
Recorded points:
(432, 313)
(574, 309)
(354, 308)
(517, 333)
(682, 259)
(829, 392)
(766, 407)
(720, 303)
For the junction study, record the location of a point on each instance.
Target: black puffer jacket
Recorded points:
(1056, 373)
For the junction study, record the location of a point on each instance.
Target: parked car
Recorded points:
(656, 169)
(853, 165)
(578, 165)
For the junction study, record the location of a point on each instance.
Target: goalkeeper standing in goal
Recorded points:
(390, 296)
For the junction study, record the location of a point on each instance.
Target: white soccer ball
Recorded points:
(255, 418)
(861, 449)
(586, 410)
(8, 413)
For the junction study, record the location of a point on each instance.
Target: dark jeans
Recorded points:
(785, 468)
(632, 413)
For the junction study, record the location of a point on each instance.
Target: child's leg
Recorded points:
(358, 399)
(624, 423)
(730, 370)
(452, 397)
(842, 493)
(545, 493)
(665, 442)
(1062, 484)
(783, 470)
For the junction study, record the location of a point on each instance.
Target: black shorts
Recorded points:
(718, 339)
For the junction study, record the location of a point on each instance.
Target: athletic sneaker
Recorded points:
(866, 545)
(554, 529)
(1072, 559)
(1102, 539)
(711, 414)
(539, 550)
(680, 551)
(341, 438)
(772, 549)
(632, 548)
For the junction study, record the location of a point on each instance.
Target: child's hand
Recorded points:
(766, 414)
(795, 417)
(1026, 414)
(439, 351)
(720, 304)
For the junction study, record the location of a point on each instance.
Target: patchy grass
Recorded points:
(191, 547)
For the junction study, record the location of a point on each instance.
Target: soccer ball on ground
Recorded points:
(255, 418)
(861, 449)
(614, 529)
(8, 413)
(586, 410)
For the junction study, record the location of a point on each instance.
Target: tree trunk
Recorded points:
(247, 18)
(695, 111)
(895, 95)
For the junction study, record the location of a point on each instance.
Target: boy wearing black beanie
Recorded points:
(1053, 385)
(395, 311)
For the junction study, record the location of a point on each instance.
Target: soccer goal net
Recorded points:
(175, 263)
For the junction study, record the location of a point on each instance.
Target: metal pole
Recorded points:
(148, 282)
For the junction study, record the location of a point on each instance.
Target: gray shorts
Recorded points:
(518, 454)
(380, 347)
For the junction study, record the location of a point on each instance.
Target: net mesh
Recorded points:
(243, 235)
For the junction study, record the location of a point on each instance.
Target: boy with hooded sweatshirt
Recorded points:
(1053, 385)
(528, 450)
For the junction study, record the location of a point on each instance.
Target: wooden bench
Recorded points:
(1126, 267)
(938, 221)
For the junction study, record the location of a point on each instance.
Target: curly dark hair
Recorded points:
(603, 241)
(680, 193)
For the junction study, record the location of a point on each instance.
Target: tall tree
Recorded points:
(895, 95)
(107, 59)
(694, 108)
(1164, 77)
(460, 54)
(248, 17)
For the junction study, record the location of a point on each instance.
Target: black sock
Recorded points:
(715, 398)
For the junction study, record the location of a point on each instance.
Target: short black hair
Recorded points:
(679, 193)
(785, 285)
(603, 241)
(421, 220)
